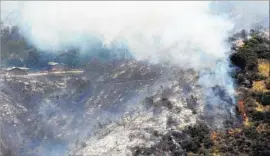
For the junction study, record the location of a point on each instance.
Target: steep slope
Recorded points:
(45, 115)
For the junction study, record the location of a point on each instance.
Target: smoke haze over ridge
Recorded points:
(150, 29)
(189, 34)
(182, 32)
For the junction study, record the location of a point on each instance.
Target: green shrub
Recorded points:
(245, 59)
(265, 100)
(240, 78)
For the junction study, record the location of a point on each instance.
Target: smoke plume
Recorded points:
(189, 34)
(186, 33)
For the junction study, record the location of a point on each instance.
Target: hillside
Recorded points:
(251, 136)
(122, 106)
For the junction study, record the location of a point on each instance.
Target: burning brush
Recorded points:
(242, 111)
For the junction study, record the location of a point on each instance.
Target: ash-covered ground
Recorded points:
(107, 110)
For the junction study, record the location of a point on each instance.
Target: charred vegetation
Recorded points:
(252, 135)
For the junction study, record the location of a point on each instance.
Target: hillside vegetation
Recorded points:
(250, 57)
(252, 135)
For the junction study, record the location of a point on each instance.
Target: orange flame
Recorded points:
(213, 135)
(242, 111)
(234, 131)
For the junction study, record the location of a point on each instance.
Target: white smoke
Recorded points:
(189, 34)
(183, 32)
(244, 14)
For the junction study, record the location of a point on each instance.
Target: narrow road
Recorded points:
(49, 73)
(55, 72)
